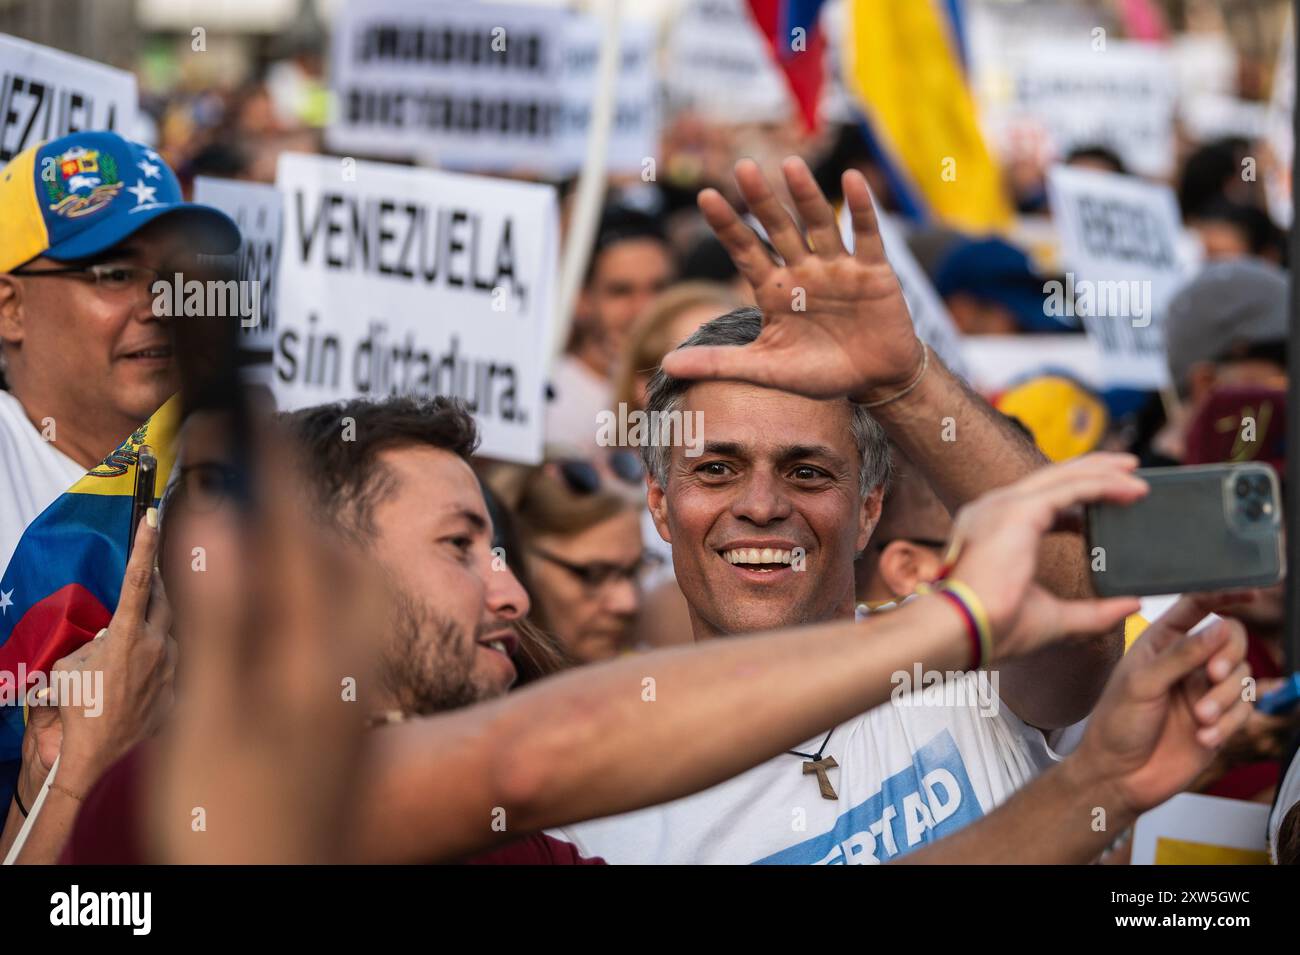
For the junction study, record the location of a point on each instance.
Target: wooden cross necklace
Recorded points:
(815, 764)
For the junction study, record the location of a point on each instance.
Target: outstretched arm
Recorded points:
(591, 743)
(835, 325)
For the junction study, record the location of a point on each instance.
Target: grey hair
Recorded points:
(741, 326)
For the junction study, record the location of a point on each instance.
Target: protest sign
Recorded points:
(396, 280)
(719, 65)
(1121, 244)
(934, 325)
(634, 130)
(487, 87)
(45, 94)
(1115, 93)
(996, 362)
(1191, 829)
(258, 211)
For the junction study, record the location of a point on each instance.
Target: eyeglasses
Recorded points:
(599, 574)
(111, 279)
(583, 477)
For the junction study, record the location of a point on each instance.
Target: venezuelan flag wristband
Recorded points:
(977, 618)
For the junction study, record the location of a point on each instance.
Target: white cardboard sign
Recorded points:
(397, 280)
(1122, 247)
(45, 94)
(485, 86)
(257, 209)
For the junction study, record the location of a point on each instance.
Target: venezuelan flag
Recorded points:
(799, 55)
(66, 574)
(903, 66)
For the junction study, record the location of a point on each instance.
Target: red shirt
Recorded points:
(107, 829)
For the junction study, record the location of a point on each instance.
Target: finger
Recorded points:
(1220, 697)
(160, 608)
(867, 245)
(133, 604)
(713, 362)
(740, 241)
(1231, 722)
(1040, 506)
(1231, 653)
(782, 231)
(1186, 613)
(1094, 616)
(1156, 676)
(816, 212)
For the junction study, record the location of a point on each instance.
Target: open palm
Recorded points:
(834, 323)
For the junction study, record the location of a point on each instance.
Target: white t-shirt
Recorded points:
(579, 397)
(33, 472)
(908, 773)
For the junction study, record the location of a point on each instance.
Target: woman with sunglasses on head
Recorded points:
(579, 526)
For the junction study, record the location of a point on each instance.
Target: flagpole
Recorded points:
(590, 196)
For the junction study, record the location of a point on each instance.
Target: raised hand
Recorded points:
(995, 545)
(134, 659)
(1173, 700)
(834, 324)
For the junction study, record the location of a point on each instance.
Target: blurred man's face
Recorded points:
(592, 603)
(453, 613)
(627, 276)
(96, 349)
(765, 524)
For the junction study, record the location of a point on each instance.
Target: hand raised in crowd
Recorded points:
(264, 747)
(834, 323)
(124, 681)
(1173, 700)
(995, 541)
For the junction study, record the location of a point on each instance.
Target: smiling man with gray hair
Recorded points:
(798, 398)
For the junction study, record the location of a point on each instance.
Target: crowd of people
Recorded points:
(388, 648)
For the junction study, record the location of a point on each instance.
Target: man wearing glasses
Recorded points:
(91, 221)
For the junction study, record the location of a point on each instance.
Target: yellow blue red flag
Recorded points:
(903, 67)
(65, 575)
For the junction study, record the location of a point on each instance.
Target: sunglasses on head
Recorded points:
(583, 477)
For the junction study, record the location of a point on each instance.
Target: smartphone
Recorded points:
(1203, 527)
(146, 479)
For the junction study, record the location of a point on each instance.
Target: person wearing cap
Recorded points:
(1228, 327)
(630, 264)
(992, 288)
(91, 222)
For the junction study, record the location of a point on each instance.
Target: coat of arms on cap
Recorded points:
(85, 181)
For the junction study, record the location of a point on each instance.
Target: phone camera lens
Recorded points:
(1254, 508)
(1243, 486)
(1262, 485)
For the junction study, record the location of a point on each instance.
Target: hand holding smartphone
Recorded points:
(1201, 528)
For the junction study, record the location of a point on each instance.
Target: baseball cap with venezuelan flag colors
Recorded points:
(77, 196)
(1065, 418)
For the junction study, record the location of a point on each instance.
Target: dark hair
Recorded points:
(1098, 153)
(741, 326)
(341, 444)
(623, 224)
(1208, 171)
(1263, 238)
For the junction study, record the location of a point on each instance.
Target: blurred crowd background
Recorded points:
(655, 273)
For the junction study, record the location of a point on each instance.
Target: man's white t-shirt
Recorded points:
(909, 772)
(33, 472)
